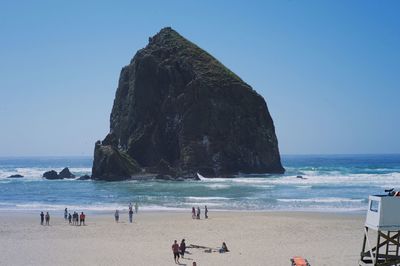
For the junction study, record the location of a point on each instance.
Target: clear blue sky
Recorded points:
(329, 70)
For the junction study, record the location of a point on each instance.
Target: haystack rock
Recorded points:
(178, 111)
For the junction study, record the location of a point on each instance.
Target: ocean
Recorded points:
(331, 183)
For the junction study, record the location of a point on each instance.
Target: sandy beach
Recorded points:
(264, 238)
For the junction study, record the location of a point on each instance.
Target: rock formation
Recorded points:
(16, 176)
(178, 111)
(51, 175)
(65, 173)
(84, 177)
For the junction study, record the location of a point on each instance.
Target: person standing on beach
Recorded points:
(175, 250)
(116, 215)
(65, 214)
(82, 219)
(136, 207)
(205, 212)
(182, 247)
(198, 212)
(193, 213)
(47, 217)
(130, 206)
(69, 218)
(75, 218)
(41, 218)
(130, 215)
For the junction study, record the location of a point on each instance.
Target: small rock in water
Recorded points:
(84, 177)
(65, 173)
(51, 175)
(15, 176)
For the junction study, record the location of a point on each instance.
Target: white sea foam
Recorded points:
(218, 186)
(323, 200)
(304, 186)
(207, 198)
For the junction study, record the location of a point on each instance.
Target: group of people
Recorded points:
(75, 218)
(196, 215)
(130, 212)
(178, 250)
(44, 217)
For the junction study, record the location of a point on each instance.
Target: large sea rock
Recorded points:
(178, 111)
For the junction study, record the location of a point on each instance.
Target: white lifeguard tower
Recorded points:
(383, 216)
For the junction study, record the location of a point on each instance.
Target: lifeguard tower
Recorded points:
(383, 217)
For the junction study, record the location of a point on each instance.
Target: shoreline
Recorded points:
(360, 213)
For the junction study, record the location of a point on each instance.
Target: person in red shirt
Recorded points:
(82, 219)
(175, 250)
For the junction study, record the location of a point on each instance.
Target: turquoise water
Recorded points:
(333, 183)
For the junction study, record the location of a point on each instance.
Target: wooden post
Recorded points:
(364, 242)
(377, 248)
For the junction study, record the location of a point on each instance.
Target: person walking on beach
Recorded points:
(193, 213)
(130, 215)
(205, 212)
(175, 250)
(136, 207)
(182, 247)
(69, 218)
(47, 217)
(41, 218)
(65, 214)
(116, 215)
(198, 212)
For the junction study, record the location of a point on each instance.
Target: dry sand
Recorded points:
(265, 238)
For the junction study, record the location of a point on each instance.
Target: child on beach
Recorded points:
(175, 250)
(205, 212)
(198, 212)
(69, 218)
(65, 214)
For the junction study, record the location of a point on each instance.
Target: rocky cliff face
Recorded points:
(178, 111)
